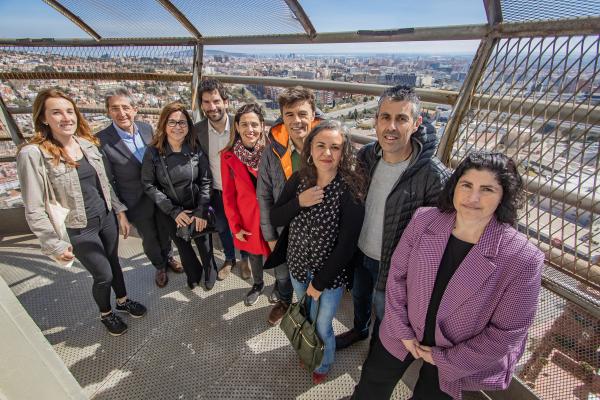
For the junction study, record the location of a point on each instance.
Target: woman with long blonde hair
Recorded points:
(63, 158)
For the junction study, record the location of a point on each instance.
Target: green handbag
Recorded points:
(303, 334)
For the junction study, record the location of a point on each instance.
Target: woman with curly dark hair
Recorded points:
(322, 209)
(462, 290)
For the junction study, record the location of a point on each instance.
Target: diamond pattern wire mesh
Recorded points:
(562, 357)
(118, 19)
(539, 102)
(530, 10)
(148, 18)
(171, 65)
(240, 17)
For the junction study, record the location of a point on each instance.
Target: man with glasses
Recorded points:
(123, 144)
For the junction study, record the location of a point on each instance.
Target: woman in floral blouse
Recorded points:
(322, 209)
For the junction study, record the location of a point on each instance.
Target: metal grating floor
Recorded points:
(190, 345)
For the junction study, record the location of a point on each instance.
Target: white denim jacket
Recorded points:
(65, 182)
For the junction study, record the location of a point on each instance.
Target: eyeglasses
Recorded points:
(182, 123)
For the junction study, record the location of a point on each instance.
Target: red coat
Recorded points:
(241, 204)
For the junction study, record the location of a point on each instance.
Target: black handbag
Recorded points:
(302, 333)
(189, 232)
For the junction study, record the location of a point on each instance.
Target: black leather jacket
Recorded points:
(190, 174)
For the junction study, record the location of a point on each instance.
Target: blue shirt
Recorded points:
(134, 142)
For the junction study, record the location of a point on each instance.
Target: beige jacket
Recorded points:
(65, 182)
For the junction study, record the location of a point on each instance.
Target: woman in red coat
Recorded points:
(239, 169)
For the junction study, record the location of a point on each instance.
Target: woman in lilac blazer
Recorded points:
(462, 290)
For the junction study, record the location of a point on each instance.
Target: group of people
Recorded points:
(437, 255)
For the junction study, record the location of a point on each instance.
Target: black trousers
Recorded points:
(256, 265)
(155, 241)
(382, 371)
(96, 247)
(191, 265)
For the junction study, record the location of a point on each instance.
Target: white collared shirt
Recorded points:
(217, 142)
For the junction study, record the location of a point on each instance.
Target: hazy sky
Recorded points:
(35, 19)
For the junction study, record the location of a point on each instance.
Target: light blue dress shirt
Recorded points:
(134, 142)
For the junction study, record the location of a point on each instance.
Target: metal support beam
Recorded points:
(9, 123)
(477, 67)
(196, 78)
(98, 76)
(493, 10)
(574, 26)
(428, 95)
(301, 16)
(560, 27)
(74, 18)
(179, 16)
(456, 32)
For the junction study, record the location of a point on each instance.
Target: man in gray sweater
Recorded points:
(403, 175)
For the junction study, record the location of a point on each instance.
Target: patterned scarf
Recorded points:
(250, 158)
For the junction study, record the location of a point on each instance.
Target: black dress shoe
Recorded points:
(348, 338)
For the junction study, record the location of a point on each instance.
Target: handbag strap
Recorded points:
(303, 301)
(166, 170)
(49, 194)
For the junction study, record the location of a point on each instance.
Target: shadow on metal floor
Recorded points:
(192, 344)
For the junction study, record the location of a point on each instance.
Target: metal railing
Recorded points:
(527, 80)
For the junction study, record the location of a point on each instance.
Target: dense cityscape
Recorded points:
(443, 72)
(525, 139)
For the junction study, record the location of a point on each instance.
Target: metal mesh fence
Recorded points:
(103, 61)
(240, 18)
(562, 357)
(538, 102)
(155, 75)
(529, 10)
(148, 18)
(115, 19)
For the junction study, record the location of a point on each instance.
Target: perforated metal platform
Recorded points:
(191, 344)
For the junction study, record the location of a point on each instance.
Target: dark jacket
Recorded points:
(190, 174)
(201, 131)
(418, 186)
(351, 218)
(122, 168)
(272, 173)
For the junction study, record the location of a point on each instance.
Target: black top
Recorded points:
(455, 253)
(308, 235)
(190, 174)
(252, 178)
(90, 189)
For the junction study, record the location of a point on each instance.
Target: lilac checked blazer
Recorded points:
(485, 312)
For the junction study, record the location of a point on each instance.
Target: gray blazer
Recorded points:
(201, 132)
(122, 168)
(31, 162)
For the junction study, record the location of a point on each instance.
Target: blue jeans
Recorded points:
(365, 278)
(222, 225)
(328, 305)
